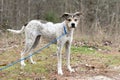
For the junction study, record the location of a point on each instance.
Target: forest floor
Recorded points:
(89, 62)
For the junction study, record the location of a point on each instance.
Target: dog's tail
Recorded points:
(17, 31)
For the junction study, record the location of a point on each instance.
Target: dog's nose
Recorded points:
(73, 25)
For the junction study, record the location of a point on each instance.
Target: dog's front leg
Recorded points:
(59, 57)
(68, 46)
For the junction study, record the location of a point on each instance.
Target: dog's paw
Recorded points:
(70, 69)
(60, 72)
(33, 62)
(23, 64)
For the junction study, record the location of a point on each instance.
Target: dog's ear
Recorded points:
(77, 14)
(65, 15)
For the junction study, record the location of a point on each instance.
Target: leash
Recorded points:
(36, 52)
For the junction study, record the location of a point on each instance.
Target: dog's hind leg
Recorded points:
(26, 50)
(31, 59)
(29, 45)
(34, 46)
(22, 56)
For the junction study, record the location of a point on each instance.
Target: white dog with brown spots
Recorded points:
(36, 29)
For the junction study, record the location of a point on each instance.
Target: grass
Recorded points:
(46, 62)
(107, 58)
(82, 50)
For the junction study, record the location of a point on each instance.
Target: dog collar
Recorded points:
(65, 31)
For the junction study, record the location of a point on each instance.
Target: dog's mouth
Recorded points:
(73, 27)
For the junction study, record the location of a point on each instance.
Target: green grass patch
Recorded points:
(106, 58)
(82, 50)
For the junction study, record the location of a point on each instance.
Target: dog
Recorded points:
(35, 29)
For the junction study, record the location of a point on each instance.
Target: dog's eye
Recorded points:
(75, 19)
(69, 19)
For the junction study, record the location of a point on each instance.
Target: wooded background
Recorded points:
(100, 19)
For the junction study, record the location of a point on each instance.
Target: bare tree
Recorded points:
(100, 17)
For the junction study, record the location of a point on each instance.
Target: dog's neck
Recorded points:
(68, 30)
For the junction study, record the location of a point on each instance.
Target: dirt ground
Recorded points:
(89, 64)
(90, 71)
(91, 74)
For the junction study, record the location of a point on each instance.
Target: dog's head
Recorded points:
(71, 19)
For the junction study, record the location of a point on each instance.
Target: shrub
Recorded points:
(51, 16)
